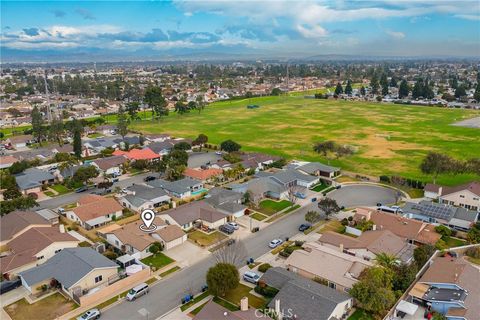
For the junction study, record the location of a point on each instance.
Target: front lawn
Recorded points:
(332, 225)
(60, 189)
(50, 307)
(295, 207)
(158, 260)
(453, 242)
(205, 240)
(270, 207)
(258, 216)
(319, 187)
(360, 314)
(234, 296)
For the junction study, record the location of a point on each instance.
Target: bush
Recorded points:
(110, 255)
(385, 179)
(266, 291)
(299, 243)
(264, 267)
(284, 254)
(473, 252)
(444, 231)
(33, 195)
(344, 222)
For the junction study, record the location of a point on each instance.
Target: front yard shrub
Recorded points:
(473, 252)
(266, 291)
(264, 267)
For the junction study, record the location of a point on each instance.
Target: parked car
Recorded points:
(303, 227)
(90, 314)
(227, 229)
(300, 195)
(314, 199)
(230, 242)
(149, 178)
(251, 277)
(81, 189)
(113, 180)
(137, 291)
(218, 153)
(234, 225)
(187, 298)
(6, 286)
(275, 243)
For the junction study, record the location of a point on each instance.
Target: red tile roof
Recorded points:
(138, 154)
(202, 174)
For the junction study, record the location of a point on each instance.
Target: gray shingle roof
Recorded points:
(312, 167)
(287, 176)
(440, 211)
(179, 186)
(68, 266)
(32, 177)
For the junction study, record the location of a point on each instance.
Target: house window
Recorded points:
(117, 243)
(462, 196)
(98, 279)
(57, 251)
(475, 198)
(40, 258)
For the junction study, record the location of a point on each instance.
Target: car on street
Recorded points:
(149, 178)
(303, 227)
(90, 315)
(314, 199)
(251, 277)
(81, 189)
(226, 229)
(234, 225)
(218, 153)
(275, 243)
(137, 291)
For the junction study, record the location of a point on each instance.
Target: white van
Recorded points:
(137, 291)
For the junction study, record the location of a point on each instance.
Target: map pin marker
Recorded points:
(147, 217)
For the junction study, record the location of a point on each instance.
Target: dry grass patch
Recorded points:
(47, 308)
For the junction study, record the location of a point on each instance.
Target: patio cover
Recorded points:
(419, 290)
(407, 307)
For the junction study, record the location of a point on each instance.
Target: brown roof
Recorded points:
(110, 162)
(214, 311)
(200, 174)
(430, 187)
(193, 211)
(28, 244)
(170, 233)
(473, 187)
(8, 160)
(16, 221)
(93, 206)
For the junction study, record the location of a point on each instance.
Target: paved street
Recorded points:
(59, 201)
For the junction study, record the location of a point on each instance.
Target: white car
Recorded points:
(275, 243)
(90, 315)
(234, 225)
(218, 153)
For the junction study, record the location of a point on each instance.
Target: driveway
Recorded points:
(187, 254)
(362, 195)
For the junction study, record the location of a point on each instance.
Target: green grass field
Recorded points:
(391, 139)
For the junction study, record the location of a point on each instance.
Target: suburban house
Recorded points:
(453, 217)
(466, 195)
(106, 129)
(300, 298)
(339, 270)
(416, 232)
(110, 165)
(34, 247)
(212, 310)
(49, 215)
(77, 270)
(204, 175)
(140, 197)
(93, 211)
(289, 178)
(226, 201)
(257, 161)
(19, 141)
(449, 286)
(95, 146)
(32, 179)
(369, 244)
(157, 137)
(183, 188)
(7, 161)
(198, 213)
(135, 242)
(16, 223)
(161, 147)
(319, 169)
(138, 154)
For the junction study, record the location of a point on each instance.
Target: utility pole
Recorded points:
(49, 112)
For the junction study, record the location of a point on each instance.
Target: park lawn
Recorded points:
(360, 314)
(235, 295)
(391, 139)
(50, 307)
(258, 216)
(158, 260)
(270, 207)
(453, 242)
(60, 188)
(205, 240)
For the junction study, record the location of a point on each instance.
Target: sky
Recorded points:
(275, 29)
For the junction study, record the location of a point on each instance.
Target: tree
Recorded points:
(84, 174)
(200, 140)
(328, 206)
(422, 254)
(348, 87)
(37, 125)
(374, 290)
(313, 217)
(235, 253)
(343, 151)
(230, 146)
(276, 92)
(182, 146)
(132, 110)
(403, 276)
(403, 90)
(363, 91)
(77, 138)
(386, 260)
(436, 163)
(325, 148)
(105, 184)
(200, 103)
(374, 84)
(473, 235)
(459, 92)
(20, 203)
(221, 278)
(11, 193)
(173, 164)
(443, 230)
(154, 99)
(155, 248)
(122, 122)
(384, 84)
(476, 95)
(393, 82)
(56, 130)
(19, 166)
(181, 107)
(338, 89)
(418, 89)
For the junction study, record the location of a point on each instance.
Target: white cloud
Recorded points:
(467, 16)
(308, 31)
(395, 34)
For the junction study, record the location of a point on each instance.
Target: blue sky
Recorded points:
(266, 28)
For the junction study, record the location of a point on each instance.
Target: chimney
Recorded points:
(61, 228)
(374, 227)
(244, 304)
(341, 247)
(277, 310)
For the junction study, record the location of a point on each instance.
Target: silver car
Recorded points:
(90, 314)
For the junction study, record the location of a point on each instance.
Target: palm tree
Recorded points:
(386, 260)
